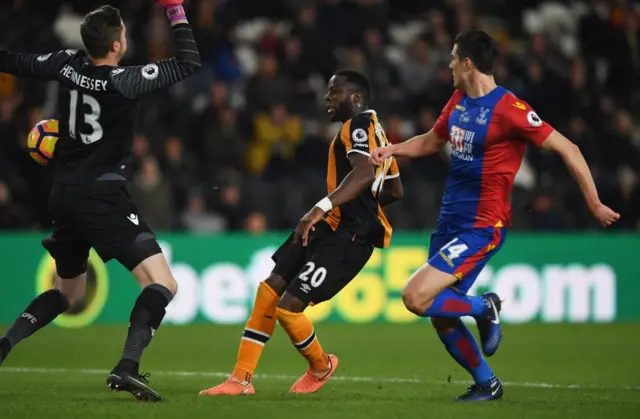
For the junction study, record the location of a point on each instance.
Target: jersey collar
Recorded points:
(490, 99)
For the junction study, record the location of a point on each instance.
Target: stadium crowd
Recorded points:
(243, 144)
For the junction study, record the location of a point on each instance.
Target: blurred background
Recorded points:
(243, 144)
(230, 159)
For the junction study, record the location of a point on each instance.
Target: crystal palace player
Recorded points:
(332, 243)
(89, 203)
(488, 129)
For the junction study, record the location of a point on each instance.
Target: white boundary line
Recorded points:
(32, 370)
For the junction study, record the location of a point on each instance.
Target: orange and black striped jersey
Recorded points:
(363, 217)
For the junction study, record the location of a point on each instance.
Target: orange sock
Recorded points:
(303, 337)
(257, 332)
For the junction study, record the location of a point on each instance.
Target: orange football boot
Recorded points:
(231, 387)
(310, 383)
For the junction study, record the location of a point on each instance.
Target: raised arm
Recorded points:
(137, 80)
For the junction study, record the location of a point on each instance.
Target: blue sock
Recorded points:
(463, 347)
(450, 303)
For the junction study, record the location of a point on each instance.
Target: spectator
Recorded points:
(179, 167)
(152, 194)
(299, 68)
(223, 145)
(277, 134)
(545, 215)
(228, 200)
(268, 86)
(198, 220)
(140, 149)
(384, 77)
(251, 128)
(256, 223)
(394, 129)
(418, 72)
(10, 217)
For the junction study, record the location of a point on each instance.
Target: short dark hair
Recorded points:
(480, 47)
(359, 80)
(100, 29)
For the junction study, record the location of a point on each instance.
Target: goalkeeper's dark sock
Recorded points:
(5, 347)
(146, 316)
(42, 310)
(463, 347)
(451, 303)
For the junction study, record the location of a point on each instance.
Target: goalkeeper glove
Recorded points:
(166, 3)
(173, 9)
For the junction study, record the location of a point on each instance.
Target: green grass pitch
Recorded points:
(386, 371)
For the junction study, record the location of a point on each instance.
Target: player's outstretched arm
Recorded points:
(45, 67)
(138, 80)
(578, 167)
(418, 146)
(423, 144)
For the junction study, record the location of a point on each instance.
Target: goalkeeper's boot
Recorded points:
(310, 382)
(231, 387)
(5, 348)
(477, 393)
(489, 326)
(134, 383)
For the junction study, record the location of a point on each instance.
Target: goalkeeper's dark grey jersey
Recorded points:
(98, 105)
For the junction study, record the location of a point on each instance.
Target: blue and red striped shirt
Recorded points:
(488, 137)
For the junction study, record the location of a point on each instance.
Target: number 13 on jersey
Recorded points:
(90, 118)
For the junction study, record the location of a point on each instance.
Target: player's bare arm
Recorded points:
(360, 178)
(579, 169)
(418, 146)
(392, 191)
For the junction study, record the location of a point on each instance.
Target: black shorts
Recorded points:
(319, 271)
(99, 215)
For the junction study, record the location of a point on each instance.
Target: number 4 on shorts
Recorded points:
(454, 250)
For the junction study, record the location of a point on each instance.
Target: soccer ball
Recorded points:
(42, 141)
